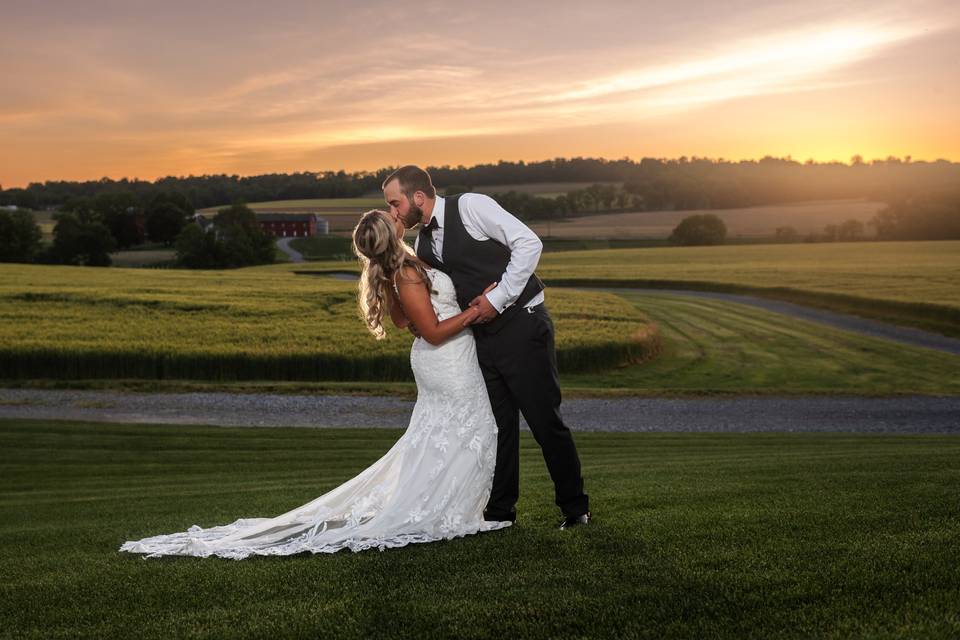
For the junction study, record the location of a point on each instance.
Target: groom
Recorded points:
(477, 243)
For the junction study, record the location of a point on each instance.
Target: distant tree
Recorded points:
(119, 212)
(82, 207)
(234, 240)
(164, 222)
(928, 216)
(199, 249)
(123, 215)
(787, 234)
(831, 232)
(176, 198)
(81, 243)
(20, 236)
(454, 189)
(702, 229)
(21, 198)
(850, 230)
(887, 223)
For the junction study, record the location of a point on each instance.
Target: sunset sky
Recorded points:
(147, 89)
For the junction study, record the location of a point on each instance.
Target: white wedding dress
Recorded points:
(433, 484)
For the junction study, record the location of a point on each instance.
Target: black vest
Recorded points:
(473, 265)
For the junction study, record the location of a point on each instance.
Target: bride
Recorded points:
(434, 483)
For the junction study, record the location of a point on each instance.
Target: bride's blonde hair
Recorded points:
(382, 254)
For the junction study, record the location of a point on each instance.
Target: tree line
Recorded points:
(97, 218)
(655, 183)
(89, 229)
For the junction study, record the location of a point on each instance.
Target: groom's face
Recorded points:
(400, 206)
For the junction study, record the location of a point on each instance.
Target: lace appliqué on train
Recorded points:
(433, 484)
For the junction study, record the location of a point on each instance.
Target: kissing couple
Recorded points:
(483, 354)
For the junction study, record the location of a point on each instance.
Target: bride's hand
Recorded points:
(470, 315)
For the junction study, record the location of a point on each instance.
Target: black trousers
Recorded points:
(519, 365)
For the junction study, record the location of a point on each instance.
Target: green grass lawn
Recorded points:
(715, 346)
(695, 535)
(324, 248)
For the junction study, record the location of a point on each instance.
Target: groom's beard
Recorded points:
(414, 216)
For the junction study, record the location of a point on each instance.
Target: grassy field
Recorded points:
(712, 346)
(695, 535)
(912, 283)
(909, 283)
(747, 222)
(246, 324)
(708, 347)
(328, 247)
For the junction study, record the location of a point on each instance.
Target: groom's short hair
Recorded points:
(412, 179)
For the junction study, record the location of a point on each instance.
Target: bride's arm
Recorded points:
(396, 312)
(416, 305)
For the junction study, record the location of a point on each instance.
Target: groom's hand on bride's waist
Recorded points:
(487, 312)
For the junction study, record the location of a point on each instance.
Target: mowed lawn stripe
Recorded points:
(715, 345)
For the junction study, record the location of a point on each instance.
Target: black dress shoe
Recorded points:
(576, 521)
(500, 517)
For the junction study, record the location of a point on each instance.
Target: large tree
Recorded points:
(120, 213)
(234, 240)
(165, 221)
(80, 242)
(19, 236)
(703, 229)
(199, 249)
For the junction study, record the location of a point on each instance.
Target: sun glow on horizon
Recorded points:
(302, 92)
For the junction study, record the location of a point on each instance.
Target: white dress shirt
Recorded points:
(484, 219)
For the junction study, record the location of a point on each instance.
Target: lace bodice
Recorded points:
(443, 295)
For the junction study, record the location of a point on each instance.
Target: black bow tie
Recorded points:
(425, 242)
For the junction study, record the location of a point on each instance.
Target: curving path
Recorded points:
(284, 245)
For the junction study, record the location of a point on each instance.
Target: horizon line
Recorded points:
(906, 159)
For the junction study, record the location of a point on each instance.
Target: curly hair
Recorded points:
(382, 255)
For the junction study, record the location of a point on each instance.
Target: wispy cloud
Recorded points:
(281, 82)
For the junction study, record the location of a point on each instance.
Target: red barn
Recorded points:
(292, 225)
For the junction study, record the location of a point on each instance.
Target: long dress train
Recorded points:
(433, 484)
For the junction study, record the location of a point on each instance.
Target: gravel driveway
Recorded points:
(284, 245)
(906, 414)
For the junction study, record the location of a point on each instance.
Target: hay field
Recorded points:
(749, 222)
(245, 324)
(916, 272)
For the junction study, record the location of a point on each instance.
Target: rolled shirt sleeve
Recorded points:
(489, 219)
